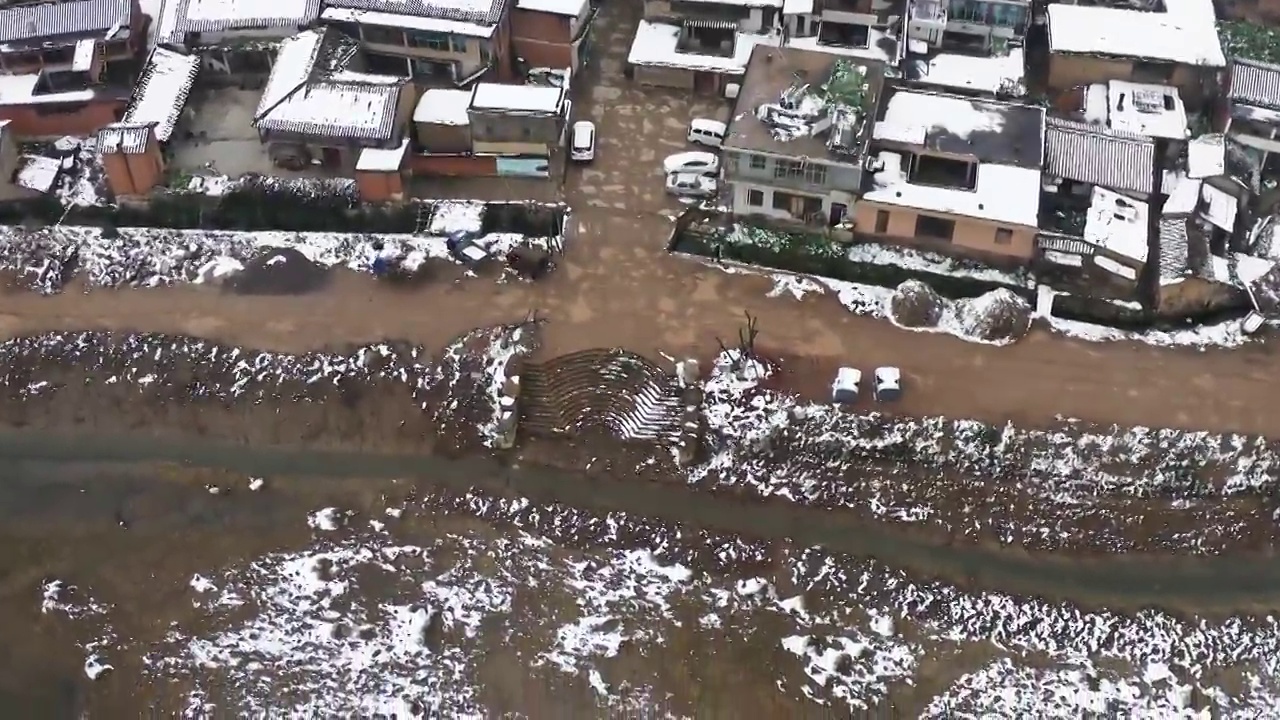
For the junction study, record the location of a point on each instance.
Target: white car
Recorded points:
(582, 141)
(844, 389)
(702, 163)
(888, 384)
(691, 185)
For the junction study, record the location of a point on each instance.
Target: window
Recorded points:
(1004, 236)
(458, 44)
(755, 198)
(935, 227)
(811, 173)
(381, 35)
(758, 162)
(429, 40)
(882, 221)
(782, 201)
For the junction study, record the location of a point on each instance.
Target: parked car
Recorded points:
(691, 185)
(703, 131)
(702, 163)
(888, 385)
(844, 389)
(582, 141)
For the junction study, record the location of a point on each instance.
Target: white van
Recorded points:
(704, 131)
(582, 146)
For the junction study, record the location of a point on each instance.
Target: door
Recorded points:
(838, 213)
(331, 157)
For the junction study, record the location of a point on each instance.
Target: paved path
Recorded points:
(619, 287)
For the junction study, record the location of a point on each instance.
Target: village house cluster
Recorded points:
(1121, 147)
(378, 90)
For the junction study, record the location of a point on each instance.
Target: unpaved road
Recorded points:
(618, 287)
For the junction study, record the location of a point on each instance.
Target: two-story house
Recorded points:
(1171, 42)
(61, 36)
(552, 34)
(445, 42)
(319, 108)
(955, 175)
(795, 148)
(702, 45)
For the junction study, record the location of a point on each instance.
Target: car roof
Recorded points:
(708, 124)
(583, 124)
(888, 373)
(692, 156)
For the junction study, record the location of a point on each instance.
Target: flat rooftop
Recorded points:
(986, 130)
(771, 72)
(1185, 33)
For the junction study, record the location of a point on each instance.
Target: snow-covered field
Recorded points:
(364, 620)
(158, 256)
(1079, 486)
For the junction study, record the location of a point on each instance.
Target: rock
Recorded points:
(914, 304)
(997, 316)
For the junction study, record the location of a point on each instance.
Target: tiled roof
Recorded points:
(162, 90)
(264, 14)
(32, 22)
(487, 12)
(1109, 158)
(123, 138)
(1255, 83)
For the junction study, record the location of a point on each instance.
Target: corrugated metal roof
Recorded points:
(460, 10)
(32, 22)
(262, 18)
(1109, 158)
(1255, 83)
(1063, 243)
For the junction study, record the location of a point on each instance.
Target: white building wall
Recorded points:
(742, 206)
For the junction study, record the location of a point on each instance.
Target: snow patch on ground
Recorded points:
(1076, 486)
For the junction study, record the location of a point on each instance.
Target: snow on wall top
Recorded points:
(180, 17)
(655, 44)
(517, 98)
(486, 12)
(294, 63)
(568, 8)
(162, 91)
(409, 22)
(1118, 224)
(1002, 193)
(21, 90)
(441, 106)
(1186, 33)
(383, 159)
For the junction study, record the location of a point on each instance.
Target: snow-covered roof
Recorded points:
(296, 100)
(1004, 194)
(1255, 83)
(1152, 110)
(36, 172)
(880, 46)
(1185, 33)
(1219, 208)
(1207, 156)
(1175, 248)
(484, 12)
(797, 7)
(655, 44)
(21, 90)
(126, 138)
(1098, 156)
(1183, 193)
(992, 131)
(526, 99)
(383, 159)
(77, 17)
(179, 17)
(82, 59)
(409, 22)
(443, 106)
(568, 8)
(991, 74)
(162, 90)
(1118, 224)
